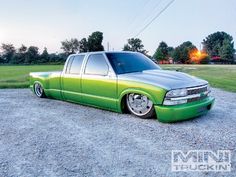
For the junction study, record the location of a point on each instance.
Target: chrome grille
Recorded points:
(197, 90)
(200, 92)
(196, 99)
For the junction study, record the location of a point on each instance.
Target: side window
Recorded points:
(76, 64)
(96, 65)
(69, 64)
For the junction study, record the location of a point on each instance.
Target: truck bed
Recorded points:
(51, 80)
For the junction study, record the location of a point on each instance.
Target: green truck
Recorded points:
(125, 82)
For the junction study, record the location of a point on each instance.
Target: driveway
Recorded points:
(44, 137)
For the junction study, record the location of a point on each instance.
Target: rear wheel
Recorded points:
(38, 90)
(140, 105)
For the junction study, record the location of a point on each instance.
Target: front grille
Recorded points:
(196, 99)
(201, 91)
(192, 91)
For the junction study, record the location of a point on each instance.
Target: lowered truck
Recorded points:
(125, 82)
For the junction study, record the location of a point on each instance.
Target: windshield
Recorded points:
(130, 62)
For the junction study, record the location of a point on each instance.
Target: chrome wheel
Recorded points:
(140, 105)
(38, 90)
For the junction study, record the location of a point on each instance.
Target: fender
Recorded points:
(43, 85)
(134, 90)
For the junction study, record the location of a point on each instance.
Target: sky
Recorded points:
(45, 23)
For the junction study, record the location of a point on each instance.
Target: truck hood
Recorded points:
(163, 78)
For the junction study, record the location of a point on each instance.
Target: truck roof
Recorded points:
(85, 53)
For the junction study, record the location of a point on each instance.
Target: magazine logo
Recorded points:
(201, 160)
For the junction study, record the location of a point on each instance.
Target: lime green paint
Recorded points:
(107, 94)
(71, 87)
(100, 91)
(156, 94)
(184, 111)
(110, 91)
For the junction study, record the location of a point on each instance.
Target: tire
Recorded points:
(140, 105)
(38, 90)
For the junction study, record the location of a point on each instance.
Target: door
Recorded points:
(99, 83)
(71, 80)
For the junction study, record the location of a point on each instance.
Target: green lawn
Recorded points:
(18, 76)
(220, 76)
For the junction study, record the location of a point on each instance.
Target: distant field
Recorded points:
(220, 76)
(18, 76)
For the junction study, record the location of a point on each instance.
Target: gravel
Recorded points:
(45, 137)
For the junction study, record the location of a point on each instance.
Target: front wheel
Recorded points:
(38, 90)
(140, 105)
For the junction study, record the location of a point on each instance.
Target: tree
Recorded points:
(19, 57)
(181, 53)
(54, 58)
(135, 45)
(70, 46)
(61, 58)
(95, 42)
(1, 59)
(226, 52)
(8, 51)
(214, 42)
(170, 51)
(16, 59)
(83, 45)
(161, 52)
(127, 47)
(177, 55)
(32, 55)
(158, 55)
(44, 57)
(24, 55)
(22, 49)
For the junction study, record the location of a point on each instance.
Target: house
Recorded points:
(218, 60)
(169, 61)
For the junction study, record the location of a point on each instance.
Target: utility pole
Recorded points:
(108, 46)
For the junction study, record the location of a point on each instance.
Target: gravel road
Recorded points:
(43, 137)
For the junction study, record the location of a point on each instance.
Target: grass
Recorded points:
(220, 76)
(18, 76)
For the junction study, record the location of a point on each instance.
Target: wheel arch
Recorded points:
(122, 103)
(43, 84)
(38, 82)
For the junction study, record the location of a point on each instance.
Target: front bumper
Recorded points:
(184, 111)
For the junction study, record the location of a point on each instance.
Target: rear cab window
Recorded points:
(96, 65)
(75, 64)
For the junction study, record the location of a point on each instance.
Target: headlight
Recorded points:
(177, 93)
